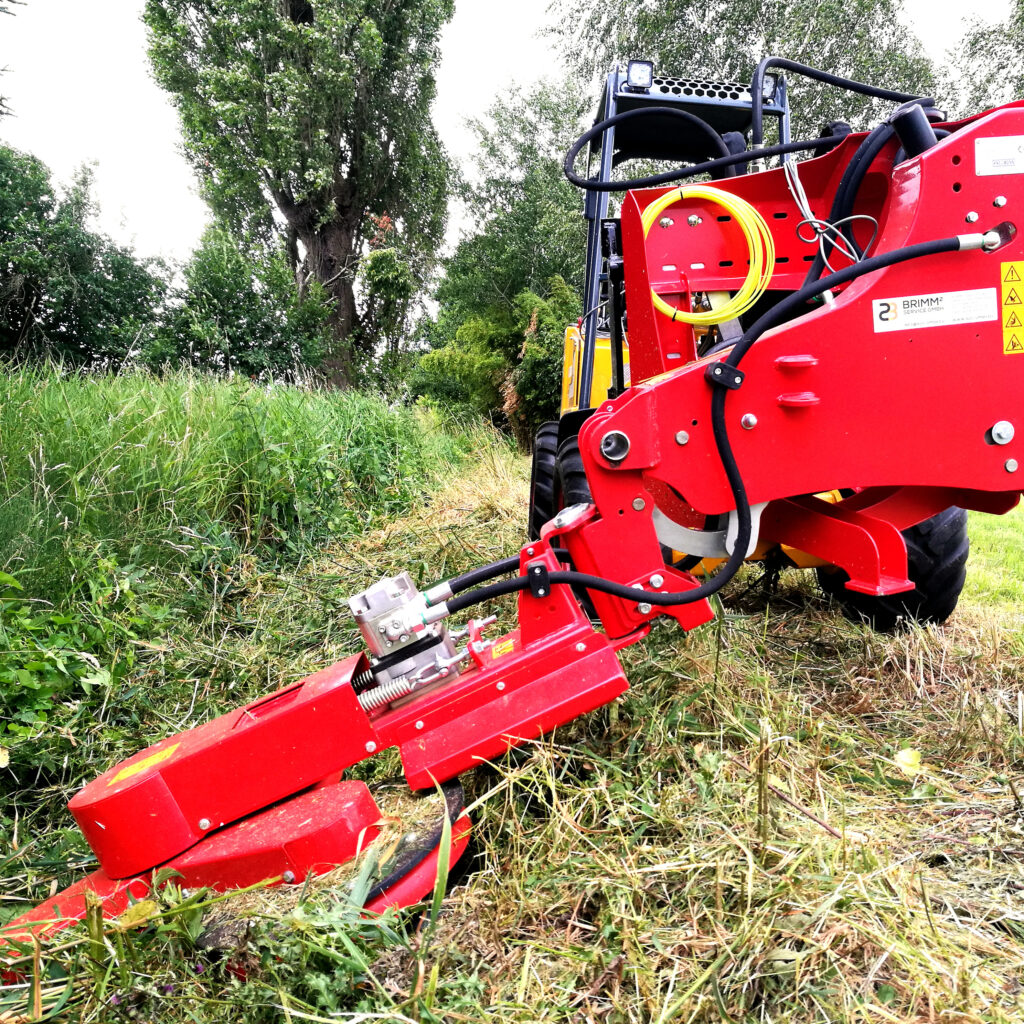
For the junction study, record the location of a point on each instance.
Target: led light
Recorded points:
(639, 75)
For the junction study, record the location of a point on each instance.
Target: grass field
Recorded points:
(787, 819)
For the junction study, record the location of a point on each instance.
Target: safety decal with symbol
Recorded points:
(1011, 278)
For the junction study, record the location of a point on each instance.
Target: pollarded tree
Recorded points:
(725, 39)
(308, 117)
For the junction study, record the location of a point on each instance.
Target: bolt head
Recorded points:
(693, 220)
(644, 608)
(666, 222)
(581, 647)
(204, 823)
(971, 218)
(419, 725)
(657, 580)
(748, 421)
(682, 437)
(529, 551)
(639, 504)
(999, 201)
(1002, 432)
(499, 686)
(1011, 465)
(289, 877)
(371, 747)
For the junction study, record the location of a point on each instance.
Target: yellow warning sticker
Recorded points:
(505, 647)
(137, 767)
(1011, 284)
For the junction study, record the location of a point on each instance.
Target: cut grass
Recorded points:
(748, 835)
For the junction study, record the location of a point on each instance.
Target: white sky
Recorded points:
(79, 85)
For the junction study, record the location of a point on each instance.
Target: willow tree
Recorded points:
(308, 119)
(988, 65)
(725, 39)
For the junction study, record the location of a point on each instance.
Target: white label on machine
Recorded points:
(1000, 154)
(940, 309)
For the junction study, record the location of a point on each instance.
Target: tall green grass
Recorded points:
(184, 467)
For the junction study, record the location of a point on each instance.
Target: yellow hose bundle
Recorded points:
(760, 245)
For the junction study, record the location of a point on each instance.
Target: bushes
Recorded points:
(239, 312)
(64, 290)
(506, 363)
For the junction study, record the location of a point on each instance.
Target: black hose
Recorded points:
(652, 180)
(488, 572)
(777, 314)
(757, 90)
(483, 573)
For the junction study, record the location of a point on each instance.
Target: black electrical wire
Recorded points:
(849, 84)
(652, 180)
(774, 316)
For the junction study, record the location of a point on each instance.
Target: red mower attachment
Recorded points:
(817, 418)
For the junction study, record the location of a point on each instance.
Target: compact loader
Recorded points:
(813, 364)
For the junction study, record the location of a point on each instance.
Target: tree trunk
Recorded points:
(331, 261)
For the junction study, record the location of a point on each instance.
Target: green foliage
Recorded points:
(317, 114)
(507, 360)
(725, 39)
(507, 292)
(988, 65)
(65, 291)
(537, 376)
(460, 375)
(238, 312)
(527, 223)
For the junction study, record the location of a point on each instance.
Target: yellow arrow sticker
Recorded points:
(137, 767)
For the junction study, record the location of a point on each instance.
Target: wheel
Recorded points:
(542, 479)
(936, 564)
(571, 486)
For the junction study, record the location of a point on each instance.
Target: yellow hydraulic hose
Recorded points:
(760, 245)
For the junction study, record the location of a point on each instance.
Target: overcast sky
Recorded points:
(79, 85)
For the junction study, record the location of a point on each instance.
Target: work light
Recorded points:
(639, 75)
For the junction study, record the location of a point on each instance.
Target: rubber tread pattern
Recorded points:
(542, 479)
(937, 552)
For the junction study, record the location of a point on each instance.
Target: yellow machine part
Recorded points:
(572, 362)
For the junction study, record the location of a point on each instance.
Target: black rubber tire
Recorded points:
(936, 563)
(571, 486)
(542, 479)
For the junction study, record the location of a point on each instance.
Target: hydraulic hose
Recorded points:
(650, 181)
(487, 572)
(774, 316)
(784, 64)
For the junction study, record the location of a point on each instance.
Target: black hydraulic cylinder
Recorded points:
(914, 130)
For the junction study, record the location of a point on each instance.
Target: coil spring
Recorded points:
(366, 680)
(385, 694)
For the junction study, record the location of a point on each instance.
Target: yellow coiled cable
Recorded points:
(760, 245)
